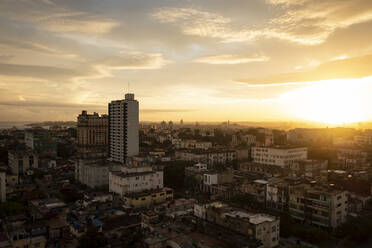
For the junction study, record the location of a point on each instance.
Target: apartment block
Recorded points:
(278, 156)
(92, 135)
(320, 206)
(123, 129)
(135, 179)
(148, 198)
(22, 161)
(262, 227)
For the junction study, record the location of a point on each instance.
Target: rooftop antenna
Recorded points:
(128, 87)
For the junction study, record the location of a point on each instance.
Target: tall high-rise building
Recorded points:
(92, 135)
(123, 128)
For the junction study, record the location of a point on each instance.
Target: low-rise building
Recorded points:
(278, 156)
(22, 161)
(135, 179)
(148, 198)
(94, 173)
(320, 206)
(262, 227)
(210, 156)
(41, 141)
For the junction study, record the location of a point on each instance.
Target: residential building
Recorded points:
(135, 179)
(249, 139)
(210, 156)
(320, 206)
(123, 128)
(262, 227)
(92, 135)
(309, 135)
(94, 173)
(309, 168)
(22, 161)
(148, 198)
(39, 140)
(278, 156)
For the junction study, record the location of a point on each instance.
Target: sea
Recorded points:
(19, 125)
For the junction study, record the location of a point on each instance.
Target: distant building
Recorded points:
(135, 179)
(39, 140)
(278, 156)
(22, 162)
(92, 135)
(249, 139)
(209, 156)
(309, 135)
(123, 128)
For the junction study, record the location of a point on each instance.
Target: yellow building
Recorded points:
(148, 198)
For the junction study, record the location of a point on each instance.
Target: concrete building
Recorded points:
(262, 227)
(320, 206)
(363, 139)
(249, 139)
(278, 156)
(92, 135)
(123, 128)
(309, 135)
(309, 168)
(22, 161)
(39, 140)
(210, 156)
(148, 198)
(135, 179)
(94, 173)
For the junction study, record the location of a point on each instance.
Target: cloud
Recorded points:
(151, 111)
(228, 59)
(313, 21)
(42, 72)
(75, 22)
(52, 16)
(307, 22)
(4, 58)
(201, 23)
(44, 104)
(134, 60)
(33, 47)
(357, 67)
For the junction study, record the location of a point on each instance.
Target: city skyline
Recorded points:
(259, 60)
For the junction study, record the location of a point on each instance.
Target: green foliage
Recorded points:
(10, 208)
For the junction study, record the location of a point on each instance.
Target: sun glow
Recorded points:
(337, 101)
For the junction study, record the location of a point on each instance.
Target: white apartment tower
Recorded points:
(123, 128)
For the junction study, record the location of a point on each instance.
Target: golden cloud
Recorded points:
(357, 67)
(229, 59)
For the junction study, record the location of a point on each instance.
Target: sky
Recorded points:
(207, 60)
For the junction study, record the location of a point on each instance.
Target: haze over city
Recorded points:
(257, 60)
